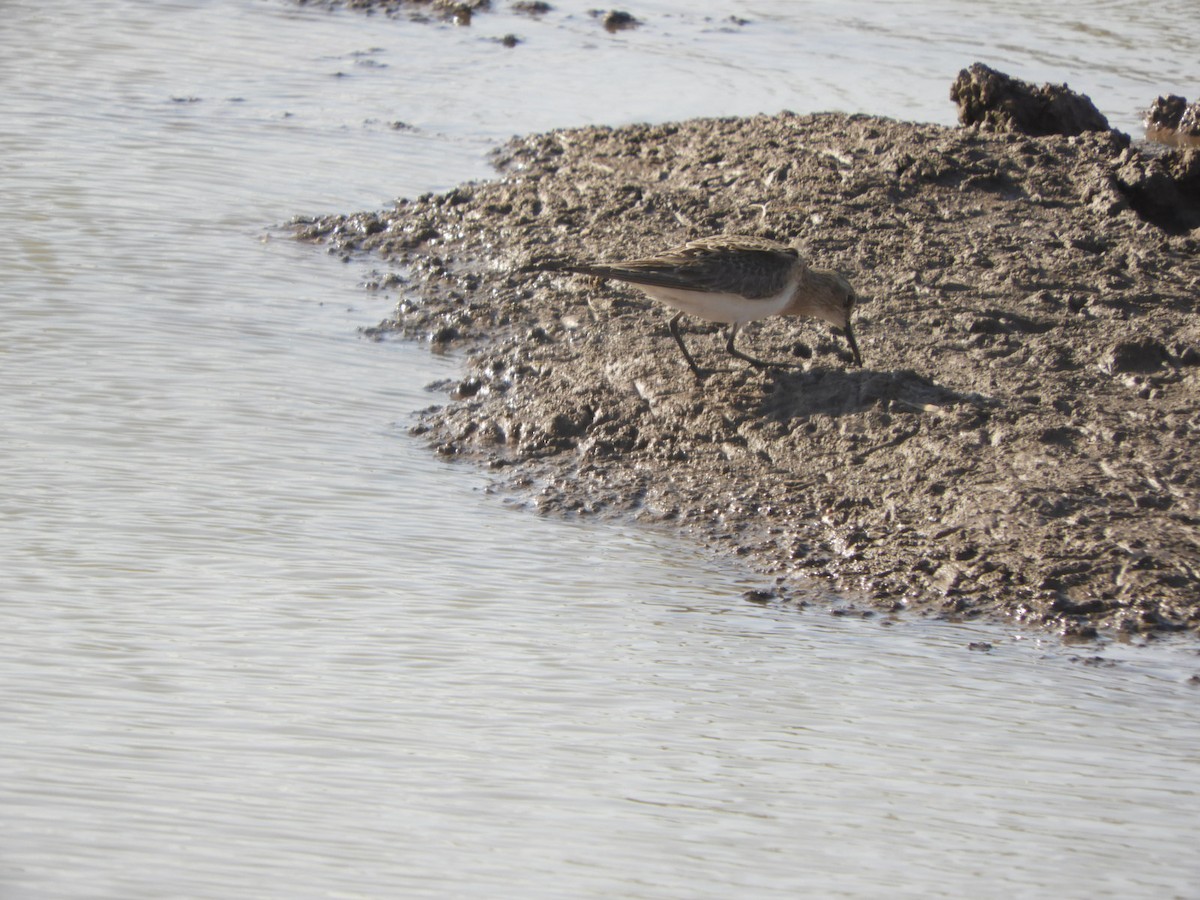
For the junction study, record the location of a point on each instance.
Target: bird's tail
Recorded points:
(560, 265)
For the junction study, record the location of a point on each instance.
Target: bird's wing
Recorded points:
(752, 267)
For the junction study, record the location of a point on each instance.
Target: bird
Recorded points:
(731, 279)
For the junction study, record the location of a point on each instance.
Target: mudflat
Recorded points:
(1021, 441)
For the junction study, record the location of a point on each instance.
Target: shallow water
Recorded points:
(260, 642)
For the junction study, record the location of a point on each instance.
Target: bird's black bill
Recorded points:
(853, 345)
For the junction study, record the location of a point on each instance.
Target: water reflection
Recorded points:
(495, 735)
(1172, 137)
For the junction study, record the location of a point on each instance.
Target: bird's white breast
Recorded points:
(717, 307)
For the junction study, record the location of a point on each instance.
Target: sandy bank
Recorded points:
(1022, 439)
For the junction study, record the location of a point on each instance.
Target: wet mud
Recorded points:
(1021, 441)
(463, 12)
(1172, 120)
(995, 101)
(459, 12)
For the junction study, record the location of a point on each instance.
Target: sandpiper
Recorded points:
(733, 279)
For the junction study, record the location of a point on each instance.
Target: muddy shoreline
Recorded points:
(1021, 442)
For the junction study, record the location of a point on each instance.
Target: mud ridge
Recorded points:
(1022, 439)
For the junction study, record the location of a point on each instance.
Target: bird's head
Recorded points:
(829, 296)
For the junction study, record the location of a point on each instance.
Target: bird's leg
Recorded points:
(674, 325)
(853, 345)
(757, 363)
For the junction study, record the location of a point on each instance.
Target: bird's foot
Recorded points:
(764, 364)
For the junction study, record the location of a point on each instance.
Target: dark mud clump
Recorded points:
(459, 12)
(1022, 440)
(997, 102)
(1173, 112)
(532, 7)
(615, 20)
(1172, 120)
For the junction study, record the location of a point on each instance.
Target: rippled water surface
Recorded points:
(259, 642)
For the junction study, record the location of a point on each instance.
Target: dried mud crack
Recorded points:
(1021, 442)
